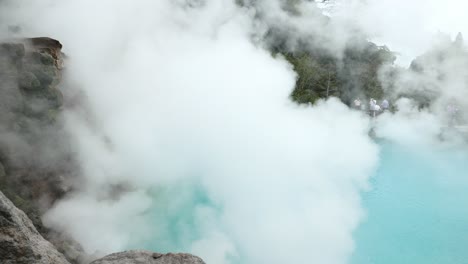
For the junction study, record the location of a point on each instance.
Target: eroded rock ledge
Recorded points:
(20, 243)
(147, 257)
(37, 166)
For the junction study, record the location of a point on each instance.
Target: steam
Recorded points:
(407, 27)
(182, 99)
(432, 55)
(188, 114)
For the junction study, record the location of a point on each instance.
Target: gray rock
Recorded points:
(29, 81)
(20, 243)
(147, 257)
(2, 171)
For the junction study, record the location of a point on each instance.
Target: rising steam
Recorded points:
(188, 114)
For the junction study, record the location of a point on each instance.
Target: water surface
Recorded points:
(417, 209)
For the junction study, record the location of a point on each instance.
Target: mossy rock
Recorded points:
(14, 50)
(20, 124)
(43, 104)
(42, 58)
(46, 78)
(29, 82)
(46, 59)
(46, 74)
(2, 175)
(8, 73)
(52, 115)
(55, 98)
(36, 106)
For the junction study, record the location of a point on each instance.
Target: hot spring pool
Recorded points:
(417, 210)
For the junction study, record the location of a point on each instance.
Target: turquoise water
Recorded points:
(417, 209)
(173, 217)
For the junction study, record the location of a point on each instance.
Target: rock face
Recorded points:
(37, 166)
(147, 257)
(30, 74)
(33, 145)
(20, 243)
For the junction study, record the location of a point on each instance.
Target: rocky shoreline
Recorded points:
(37, 163)
(21, 243)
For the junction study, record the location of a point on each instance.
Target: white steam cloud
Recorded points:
(181, 100)
(181, 95)
(408, 27)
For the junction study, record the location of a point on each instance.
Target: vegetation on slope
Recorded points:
(354, 75)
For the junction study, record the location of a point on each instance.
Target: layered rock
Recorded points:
(36, 160)
(147, 257)
(31, 141)
(20, 242)
(30, 71)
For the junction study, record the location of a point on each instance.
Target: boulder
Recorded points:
(147, 257)
(20, 243)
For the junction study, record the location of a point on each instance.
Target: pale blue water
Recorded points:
(172, 216)
(417, 210)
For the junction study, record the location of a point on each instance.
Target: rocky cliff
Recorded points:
(21, 243)
(36, 161)
(33, 149)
